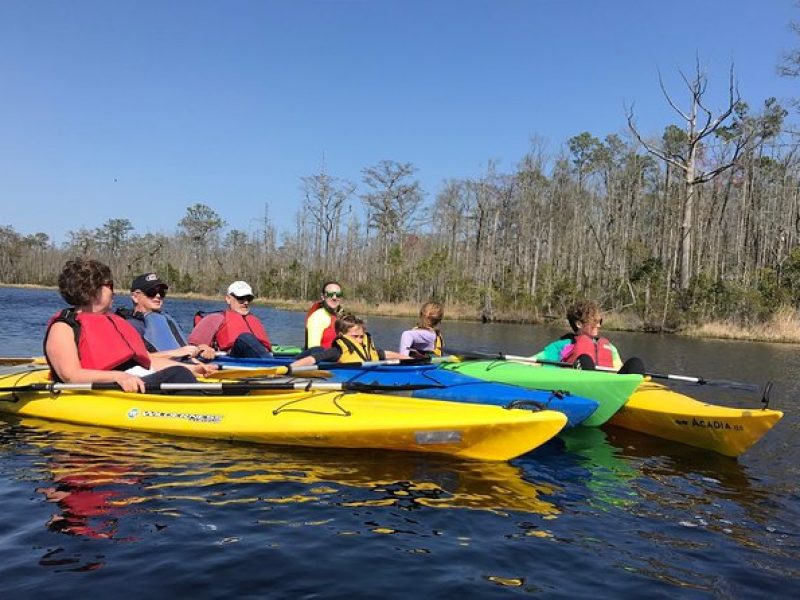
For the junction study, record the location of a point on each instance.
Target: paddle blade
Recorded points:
(268, 372)
(22, 360)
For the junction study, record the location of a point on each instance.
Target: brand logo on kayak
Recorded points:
(437, 437)
(193, 417)
(703, 424)
(132, 413)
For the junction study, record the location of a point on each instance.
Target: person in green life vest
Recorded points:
(584, 346)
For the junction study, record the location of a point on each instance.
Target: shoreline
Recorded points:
(783, 328)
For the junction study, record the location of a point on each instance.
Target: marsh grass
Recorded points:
(783, 326)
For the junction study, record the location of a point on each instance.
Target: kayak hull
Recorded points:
(456, 387)
(315, 418)
(658, 411)
(610, 390)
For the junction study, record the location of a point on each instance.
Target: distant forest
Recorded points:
(701, 222)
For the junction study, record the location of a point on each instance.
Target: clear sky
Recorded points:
(139, 109)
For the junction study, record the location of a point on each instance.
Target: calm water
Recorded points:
(94, 513)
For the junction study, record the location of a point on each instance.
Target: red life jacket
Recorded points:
(329, 333)
(599, 349)
(235, 325)
(105, 341)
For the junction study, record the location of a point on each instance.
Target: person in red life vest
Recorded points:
(585, 346)
(88, 343)
(321, 317)
(235, 330)
(352, 344)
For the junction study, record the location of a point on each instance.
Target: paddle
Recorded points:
(234, 372)
(22, 360)
(385, 362)
(225, 388)
(735, 385)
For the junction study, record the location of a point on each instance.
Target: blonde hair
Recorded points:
(430, 315)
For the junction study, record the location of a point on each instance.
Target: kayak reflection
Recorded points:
(130, 473)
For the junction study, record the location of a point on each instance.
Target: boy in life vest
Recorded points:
(425, 339)
(234, 330)
(352, 344)
(585, 347)
(321, 317)
(161, 333)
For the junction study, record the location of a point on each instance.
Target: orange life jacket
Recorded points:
(105, 341)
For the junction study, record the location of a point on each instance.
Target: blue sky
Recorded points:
(112, 109)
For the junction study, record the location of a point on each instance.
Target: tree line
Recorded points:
(700, 222)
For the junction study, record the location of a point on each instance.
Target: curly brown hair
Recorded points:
(583, 311)
(81, 279)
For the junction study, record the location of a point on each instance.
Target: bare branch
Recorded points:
(654, 151)
(669, 99)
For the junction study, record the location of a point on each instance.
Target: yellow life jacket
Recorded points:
(437, 345)
(354, 352)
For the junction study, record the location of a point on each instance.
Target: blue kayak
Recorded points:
(455, 386)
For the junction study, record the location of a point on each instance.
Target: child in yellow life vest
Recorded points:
(352, 345)
(425, 339)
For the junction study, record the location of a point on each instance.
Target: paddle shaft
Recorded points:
(234, 388)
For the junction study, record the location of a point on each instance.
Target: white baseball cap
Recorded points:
(240, 288)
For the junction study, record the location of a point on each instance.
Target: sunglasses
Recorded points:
(593, 322)
(110, 285)
(334, 295)
(155, 292)
(243, 299)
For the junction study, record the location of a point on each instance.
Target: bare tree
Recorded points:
(393, 200)
(700, 123)
(325, 199)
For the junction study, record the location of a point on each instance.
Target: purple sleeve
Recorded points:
(206, 329)
(406, 339)
(422, 340)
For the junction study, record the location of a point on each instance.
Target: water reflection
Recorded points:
(98, 477)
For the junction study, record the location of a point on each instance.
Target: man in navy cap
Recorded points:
(160, 331)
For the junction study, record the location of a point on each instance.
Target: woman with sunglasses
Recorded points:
(234, 330)
(321, 317)
(161, 333)
(87, 343)
(584, 346)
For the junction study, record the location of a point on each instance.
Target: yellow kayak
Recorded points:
(297, 418)
(662, 412)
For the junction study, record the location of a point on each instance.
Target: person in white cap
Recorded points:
(234, 330)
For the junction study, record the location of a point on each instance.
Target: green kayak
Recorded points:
(609, 389)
